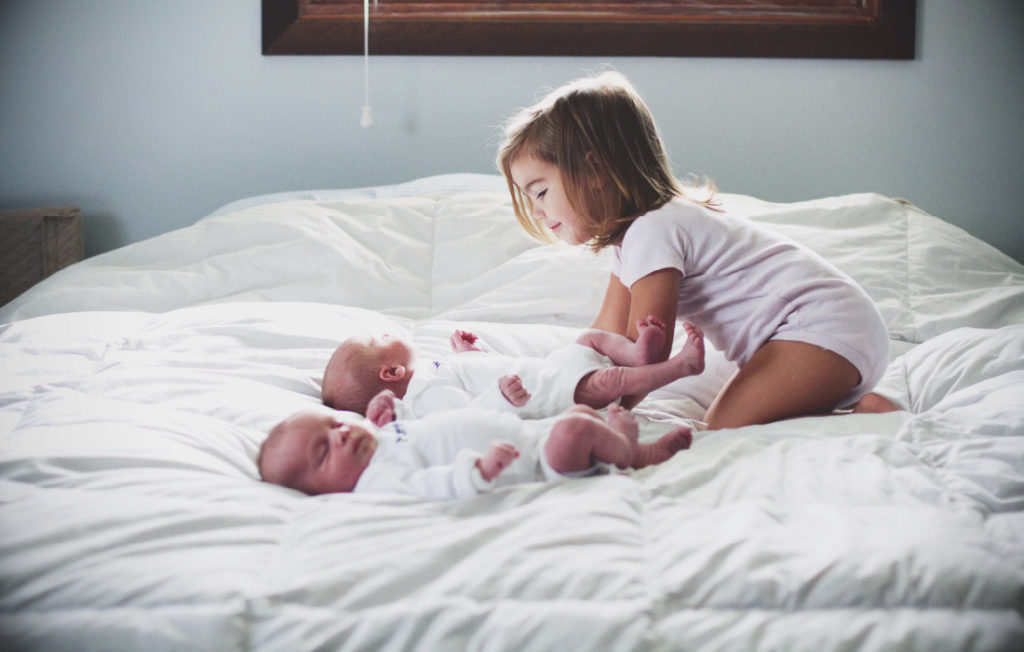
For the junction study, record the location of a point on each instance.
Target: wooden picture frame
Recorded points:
(867, 29)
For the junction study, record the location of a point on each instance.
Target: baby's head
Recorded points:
(316, 453)
(362, 366)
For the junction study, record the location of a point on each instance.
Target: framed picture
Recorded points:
(869, 29)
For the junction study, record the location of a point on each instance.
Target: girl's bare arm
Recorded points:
(657, 295)
(614, 314)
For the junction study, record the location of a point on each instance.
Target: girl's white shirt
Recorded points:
(744, 284)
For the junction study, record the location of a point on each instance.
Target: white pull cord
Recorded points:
(367, 118)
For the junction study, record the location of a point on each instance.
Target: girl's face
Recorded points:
(542, 183)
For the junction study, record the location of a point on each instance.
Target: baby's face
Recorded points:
(319, 454)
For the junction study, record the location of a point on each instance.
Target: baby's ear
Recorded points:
(392, 373)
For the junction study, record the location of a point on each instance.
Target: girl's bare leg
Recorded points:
(783, 379)
(624, 352)
(603, 386)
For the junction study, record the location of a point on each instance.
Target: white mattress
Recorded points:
(136, 387)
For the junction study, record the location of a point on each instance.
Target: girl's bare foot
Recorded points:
(690, 359)
(650, 339)
(874, 404)
(668, 445)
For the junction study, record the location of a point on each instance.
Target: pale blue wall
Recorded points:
(149, 114)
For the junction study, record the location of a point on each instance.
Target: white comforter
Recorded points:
(136, 387)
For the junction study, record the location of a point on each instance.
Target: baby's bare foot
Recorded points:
(690, 360)
(668, 445)
(623, 421)
(650, 339)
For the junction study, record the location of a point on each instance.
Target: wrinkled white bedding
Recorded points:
(136, 387)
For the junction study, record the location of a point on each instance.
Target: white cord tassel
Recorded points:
(367, 118)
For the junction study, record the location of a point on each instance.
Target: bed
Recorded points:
(136, 387)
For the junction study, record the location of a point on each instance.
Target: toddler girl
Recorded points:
(586, 164)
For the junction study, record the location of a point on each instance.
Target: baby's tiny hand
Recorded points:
(512, 389)
(462, 341)
(381, 408)
(496, 459)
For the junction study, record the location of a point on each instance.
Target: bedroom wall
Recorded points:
(149, 115)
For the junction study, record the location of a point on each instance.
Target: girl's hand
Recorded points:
(463, 341)
(496, 459)
(512, 389)
(381, 408)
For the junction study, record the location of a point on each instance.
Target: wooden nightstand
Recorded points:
(35, 243)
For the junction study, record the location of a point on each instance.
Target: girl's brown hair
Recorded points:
(601, 136)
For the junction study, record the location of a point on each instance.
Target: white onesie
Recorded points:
(435, 457)
(470, 379)
(744, 285)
